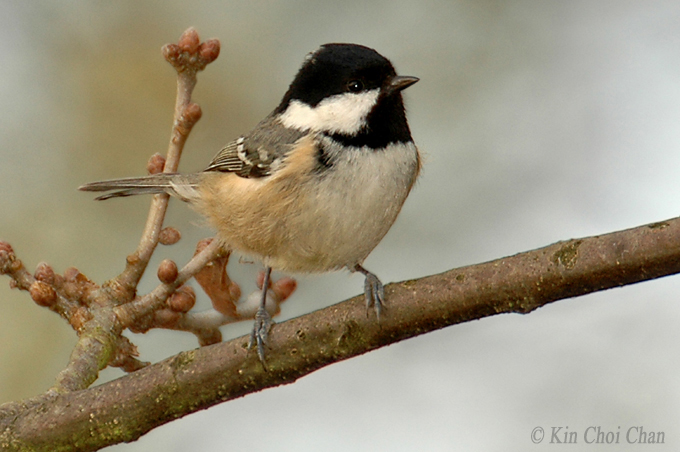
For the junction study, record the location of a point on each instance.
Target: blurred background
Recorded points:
(539, 121)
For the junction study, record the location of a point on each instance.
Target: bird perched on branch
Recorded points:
(316, 185)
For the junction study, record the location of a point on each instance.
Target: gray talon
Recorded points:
(263, 321)
(373, 291)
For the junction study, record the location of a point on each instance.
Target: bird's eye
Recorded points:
(354, 86)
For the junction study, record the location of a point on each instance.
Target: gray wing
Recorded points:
(256, 154)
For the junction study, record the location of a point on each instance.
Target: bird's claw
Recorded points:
(263, 323)
(374, 292)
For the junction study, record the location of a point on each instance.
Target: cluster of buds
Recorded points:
(190, 53)
(77, 298)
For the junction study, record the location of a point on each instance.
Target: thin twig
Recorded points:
(188, 57)
(97, 313)
(155, 299)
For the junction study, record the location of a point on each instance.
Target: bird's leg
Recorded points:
(263, 321)
(373, 290)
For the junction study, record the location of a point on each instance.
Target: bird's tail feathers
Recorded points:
(182, 186)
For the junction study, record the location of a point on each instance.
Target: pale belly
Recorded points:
(317, 224)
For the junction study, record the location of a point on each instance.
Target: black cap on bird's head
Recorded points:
(351, 93)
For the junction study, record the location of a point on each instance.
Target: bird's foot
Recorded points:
(374, 292)
(258, 337)
(263, 321)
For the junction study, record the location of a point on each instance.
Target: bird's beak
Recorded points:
(400, 82)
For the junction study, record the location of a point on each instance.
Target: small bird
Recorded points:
(316, 185)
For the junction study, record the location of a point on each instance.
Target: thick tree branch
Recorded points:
(125, 409)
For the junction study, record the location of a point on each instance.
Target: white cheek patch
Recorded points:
(343, 113)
